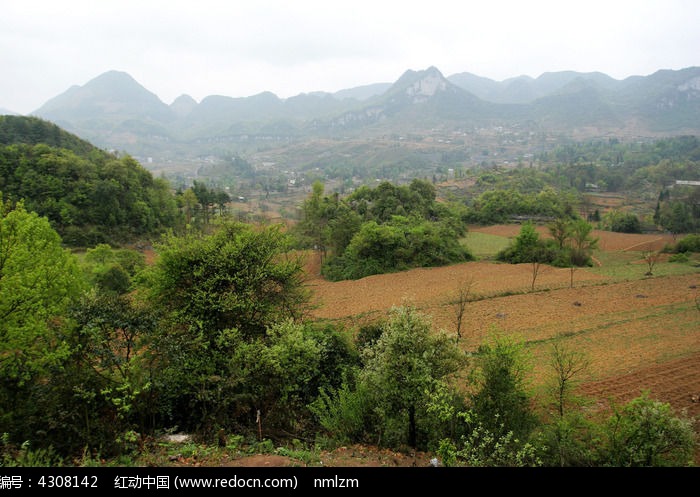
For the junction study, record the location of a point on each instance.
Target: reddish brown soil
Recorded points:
(607, 240)
(351, 456)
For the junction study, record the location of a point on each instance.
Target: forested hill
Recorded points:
(90, 196)
(33, 130)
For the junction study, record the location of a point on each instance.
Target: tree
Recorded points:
(624, 222)
(460, 305)
(677, 218)
(560, 230)
(315, 218)
(582, 242)
(239, 277)
(646, 433)
(38, 281)
(500, 402)
(567, 365)
(187, 201)
(205, 197)
(110, 375)
(581, 245)
(403, 366)
(528, 248)
(651, 257)
(218, 295)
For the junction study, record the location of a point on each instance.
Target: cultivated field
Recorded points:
(640, 333)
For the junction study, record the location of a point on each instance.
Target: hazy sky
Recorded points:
(238, 49)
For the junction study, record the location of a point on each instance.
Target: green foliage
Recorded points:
(482, 447)
(679, 257)
(87, 196)
(345, 411)
(33, 130)
(527, 247)
(642, 433)
(231, 343)
(689, 243)
(385, 229)
(398, 245)
(581, 243)
(500, 401)
(25, 456)
(281, 374)
(112, 270)
(622, 222)
(404, 365)
(113, 278)
(38, 281)
(391, 398)
(647, 433)
(571, 246)
(569, 441)
(495, 206)
(239, 277)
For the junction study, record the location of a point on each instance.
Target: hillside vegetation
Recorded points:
(88, 195)
(233, 333)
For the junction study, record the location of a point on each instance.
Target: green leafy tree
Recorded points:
(582, 242)
(108, 381)
(500, 400)
(646, 432)
(317, 211)
(528, 248)
(239, 277)
(403, 366)
(38, 281)
(220, 295)
(623, 222)
(559, 229)
(677, 218)
(389, 399)
(279, 375)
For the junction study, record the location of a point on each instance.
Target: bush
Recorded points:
(646, 433)
(626, 223)
(689, 243)
(680, 257)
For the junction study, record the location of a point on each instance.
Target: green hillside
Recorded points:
(90, 196)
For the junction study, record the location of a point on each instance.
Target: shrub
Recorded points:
(689, 243)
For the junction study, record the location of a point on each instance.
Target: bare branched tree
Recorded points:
(567, 365)
(651, 257)
(460, 304)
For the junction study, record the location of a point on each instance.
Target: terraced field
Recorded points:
(639, 332)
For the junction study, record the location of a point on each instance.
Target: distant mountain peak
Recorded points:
(183, 105)
(430, 82)
(421, 85)
(113, 93)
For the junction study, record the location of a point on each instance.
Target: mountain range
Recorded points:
(114, 111)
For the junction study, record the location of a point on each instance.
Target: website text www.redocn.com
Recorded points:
(235, 482)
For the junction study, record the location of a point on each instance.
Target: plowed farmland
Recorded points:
(640, 332)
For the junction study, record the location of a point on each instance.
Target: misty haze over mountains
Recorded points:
(115, 111)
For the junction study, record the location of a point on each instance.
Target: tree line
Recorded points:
(379, 230)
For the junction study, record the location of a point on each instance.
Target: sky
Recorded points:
(239, 49)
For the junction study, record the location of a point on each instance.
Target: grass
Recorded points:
(630, 265)
(483, 245)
